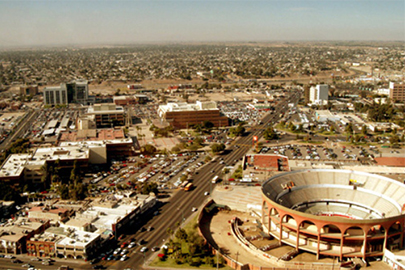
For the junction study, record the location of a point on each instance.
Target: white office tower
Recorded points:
(319, 94)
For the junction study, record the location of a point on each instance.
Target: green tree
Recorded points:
(217, 148)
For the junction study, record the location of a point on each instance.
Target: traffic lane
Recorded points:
(176, 208)
(172, 212)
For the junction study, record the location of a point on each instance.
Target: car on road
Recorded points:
(26, 265)
(143, 249)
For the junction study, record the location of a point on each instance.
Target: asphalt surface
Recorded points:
(179, 207)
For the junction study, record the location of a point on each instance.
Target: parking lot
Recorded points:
(321, 152)
(167, 171)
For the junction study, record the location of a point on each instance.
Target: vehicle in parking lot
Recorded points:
(143, 249)
(206, 193)
(194, 209)
(123, 258)
(155, 248)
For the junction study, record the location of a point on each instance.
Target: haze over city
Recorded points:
(37, 23)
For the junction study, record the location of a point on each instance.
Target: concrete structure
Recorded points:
(326, 115)
(55, 95)
(106, 115)
(319, 94)
(27, 166)
(29, 90)
(13, 235)
(124, 100)
(397, 91)
(184, 115)
(102, 151)
(78, 91)
(63, 242)
(116, 212)
(338, 213)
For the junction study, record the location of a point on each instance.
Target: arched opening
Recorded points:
(394, 236)
(274, 220)
(289, 225)
(330, 238)
(353, 240)
(289, 221)
(394, 229)
(79, 257)
(374, 243)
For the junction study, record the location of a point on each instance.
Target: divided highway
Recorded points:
(180, 204)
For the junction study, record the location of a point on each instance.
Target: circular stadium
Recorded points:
(338, 213)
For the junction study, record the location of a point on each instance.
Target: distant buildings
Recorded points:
(319, 94)
(55, 95)
(397, 92)
(184, 115)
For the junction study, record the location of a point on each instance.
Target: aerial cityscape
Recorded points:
(239, 135)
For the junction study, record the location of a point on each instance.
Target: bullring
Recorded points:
(337, 213)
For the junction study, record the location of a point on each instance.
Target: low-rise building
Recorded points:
(184, 115)
(27, 166)
(106, 115)
(13, 234)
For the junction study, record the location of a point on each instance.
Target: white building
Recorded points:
(55, 95)
(319, 94)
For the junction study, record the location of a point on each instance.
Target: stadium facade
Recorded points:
(336, 213)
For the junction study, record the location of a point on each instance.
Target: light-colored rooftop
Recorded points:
(78, 238)
(15, 163)
(183, 106)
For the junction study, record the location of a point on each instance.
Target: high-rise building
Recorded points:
(55, 95)
(397, 91)
(319, 94)
(78, 91)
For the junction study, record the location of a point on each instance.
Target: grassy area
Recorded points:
(204, 261)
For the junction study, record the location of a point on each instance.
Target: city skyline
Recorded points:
(41, 23)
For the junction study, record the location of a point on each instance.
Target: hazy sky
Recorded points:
(53, 22)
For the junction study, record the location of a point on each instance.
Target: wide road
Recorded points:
(19, 131)
(179, 207)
